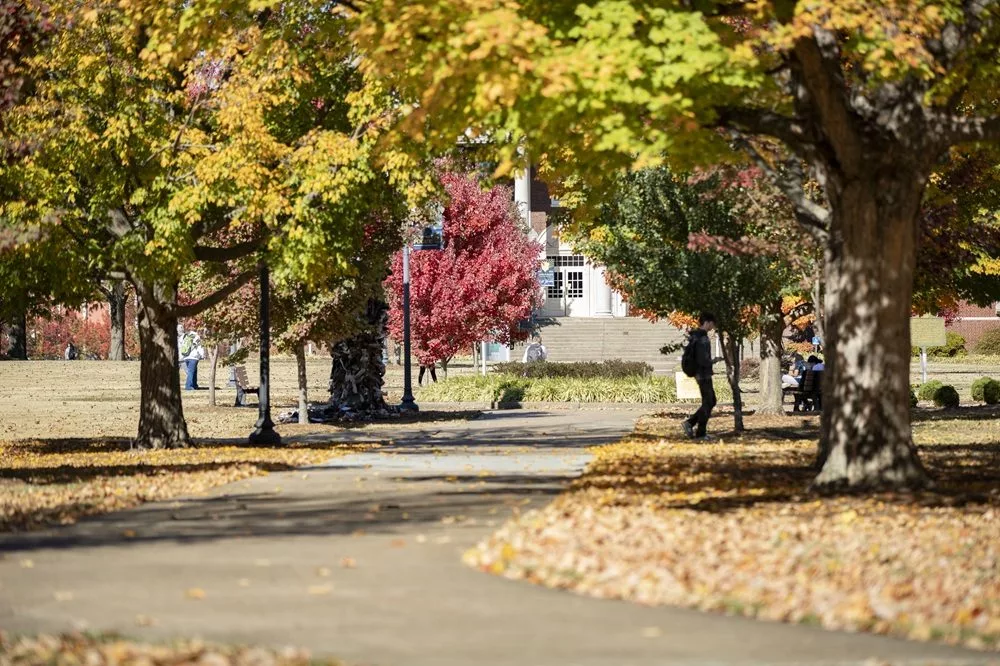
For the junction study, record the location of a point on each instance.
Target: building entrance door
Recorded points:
(568, 295)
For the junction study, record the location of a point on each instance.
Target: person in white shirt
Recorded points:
(535, 352)
(191, 351)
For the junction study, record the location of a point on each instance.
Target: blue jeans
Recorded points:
(191, 367)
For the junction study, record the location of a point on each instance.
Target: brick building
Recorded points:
(973, 321)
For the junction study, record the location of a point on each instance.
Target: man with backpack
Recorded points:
(697, 363)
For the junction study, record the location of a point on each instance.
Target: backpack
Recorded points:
(187, 344)
(689, 361)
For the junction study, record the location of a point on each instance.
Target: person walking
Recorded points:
(424, 368)
(191, 351)
(696, 425)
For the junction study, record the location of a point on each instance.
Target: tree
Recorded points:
(478, 286)
(865, 97)
(644, 238)
(165, 144)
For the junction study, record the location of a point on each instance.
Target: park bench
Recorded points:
(808, 395)
(243, 386)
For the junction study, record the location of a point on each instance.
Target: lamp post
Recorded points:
(408, 404)
(264, 432)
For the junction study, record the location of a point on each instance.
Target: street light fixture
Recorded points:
(431, 239)
(264, 433)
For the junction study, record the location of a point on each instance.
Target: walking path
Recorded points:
(360, 559)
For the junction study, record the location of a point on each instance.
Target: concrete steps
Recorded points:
(625, 338)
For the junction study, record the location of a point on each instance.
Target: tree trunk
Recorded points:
(161, 415)
(300, 362)
(213, 360)
(731, 354)
(870, 261)
(116, 301)
(18, 337)
(444, 366)
(770, 360)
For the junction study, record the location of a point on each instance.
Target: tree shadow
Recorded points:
(774, 462)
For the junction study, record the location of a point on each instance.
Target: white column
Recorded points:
(603, 295)
(522, 195)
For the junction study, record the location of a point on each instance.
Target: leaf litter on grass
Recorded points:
(108, 650)
(56, 482)
(729, 527)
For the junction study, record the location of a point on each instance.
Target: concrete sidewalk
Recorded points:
(360, 559)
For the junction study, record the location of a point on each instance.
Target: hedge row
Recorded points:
(510, 388)
(611, 369)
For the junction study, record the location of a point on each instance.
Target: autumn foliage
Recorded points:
(478, 286)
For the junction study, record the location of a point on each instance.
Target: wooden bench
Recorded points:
(243, 386)
(808, 395)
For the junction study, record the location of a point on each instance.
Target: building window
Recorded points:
(556, 290)
(575, 280)
(571, 260)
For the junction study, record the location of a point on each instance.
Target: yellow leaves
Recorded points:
(195, 593)
(758, 545)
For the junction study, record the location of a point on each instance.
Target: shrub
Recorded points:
(989, 344)
(750, 369)
(913, 398)
(977, 388)
(946, 396)
(507, 388)
(927, 391)
(991, 392)
(953, 347)
(610, 369)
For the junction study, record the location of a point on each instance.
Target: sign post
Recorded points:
(927, 332)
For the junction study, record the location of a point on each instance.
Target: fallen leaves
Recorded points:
(55, 482)
(98, 650)
(729, 527)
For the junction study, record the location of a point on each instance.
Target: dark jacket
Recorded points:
(702, 353)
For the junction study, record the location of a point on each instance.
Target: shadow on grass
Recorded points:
(775, 462)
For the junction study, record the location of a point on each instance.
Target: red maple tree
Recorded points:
(478, 286)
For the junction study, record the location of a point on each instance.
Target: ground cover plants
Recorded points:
(730, 527)
(511, 388)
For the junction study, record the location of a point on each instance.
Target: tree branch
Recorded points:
(224, 254)
(951, 130)
(791, 181)
(793, 132)
(198, 307)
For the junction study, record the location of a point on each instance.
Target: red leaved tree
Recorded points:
(478, 286)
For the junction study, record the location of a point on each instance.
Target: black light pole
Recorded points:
(408, 404)
(264, 432)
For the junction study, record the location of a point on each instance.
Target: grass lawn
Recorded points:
(730, 527)
(65, 430)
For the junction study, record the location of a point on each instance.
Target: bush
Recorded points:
(977, 388)
(913, 398)
(991, 392)
(507, 388)
(989, 344)
(954, 347)
(946, 396)
(927, 391)
(610, 369)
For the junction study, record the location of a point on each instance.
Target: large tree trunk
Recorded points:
(116, 302)
(161, 415)
(18, 337)
(300, 363)
(357, 374)
(731, 355)
(770, 360)
(871, 256)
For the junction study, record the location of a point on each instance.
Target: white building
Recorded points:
(579, 289)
